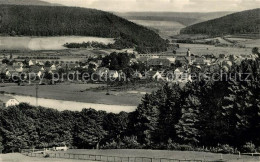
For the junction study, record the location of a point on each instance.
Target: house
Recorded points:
(102, 71)
(18, 64)
(199, 61)
(6, 101)
(18, 68)
(3, 68)
(182, 59)
(113, 74)
(178, 73)
(159, 62)
(137, 75)
(155, 75)
(32, 62)
(53, 67)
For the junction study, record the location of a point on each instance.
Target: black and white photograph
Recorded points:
(130, 80)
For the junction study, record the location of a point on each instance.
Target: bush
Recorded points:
(249, 147)
(47, 156)
(258, 149)
(111, 145)
(131, 143)
(126, 143)
(225, 149)
(172, 145)
(185, 148)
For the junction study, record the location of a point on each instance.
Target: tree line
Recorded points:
(205, 115)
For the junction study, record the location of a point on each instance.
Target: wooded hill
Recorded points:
(246, 22)
(60, 21)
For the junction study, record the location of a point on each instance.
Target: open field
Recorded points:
(180, 155)
(81, 93)
(16, 157)
(246, 41)
(45, 43)
(202, 49)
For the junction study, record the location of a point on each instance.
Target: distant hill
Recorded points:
(246, 22)
(169, 23)
(27, 2)
(185, 18)
(59, 21)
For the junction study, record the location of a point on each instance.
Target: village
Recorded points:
(169, 67)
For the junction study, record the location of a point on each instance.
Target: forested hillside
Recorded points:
(246, 22)
(59, 21)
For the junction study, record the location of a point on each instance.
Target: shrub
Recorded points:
(225, 149)
(258, 149)
(172, 145)
(185, 148)
(46, 155)
(111, 145)
(131, 142)
(249, 147)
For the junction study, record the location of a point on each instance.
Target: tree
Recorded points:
(146, 119)
(89, 131)
(5, 61)
(187, 129)
(255, 51)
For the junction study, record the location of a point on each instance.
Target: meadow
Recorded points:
(16, 157)
(86, 93)
(202, 49)
(180, 155)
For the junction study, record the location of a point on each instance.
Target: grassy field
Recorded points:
(180, 155)
(202, 49)
(16, 157)
(81, 93)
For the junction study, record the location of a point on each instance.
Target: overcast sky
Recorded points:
(163, 5)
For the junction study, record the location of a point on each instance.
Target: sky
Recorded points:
(163, 5)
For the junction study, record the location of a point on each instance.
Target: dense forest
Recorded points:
(205, 115)
(60, 21)
(246, 22)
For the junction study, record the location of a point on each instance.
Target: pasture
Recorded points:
(16, 157)
(86, 93)
(202, 49)
(180, 155)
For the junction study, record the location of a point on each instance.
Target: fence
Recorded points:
(103, 158)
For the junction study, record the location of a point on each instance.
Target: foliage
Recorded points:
(226, 149)
(249, 147)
